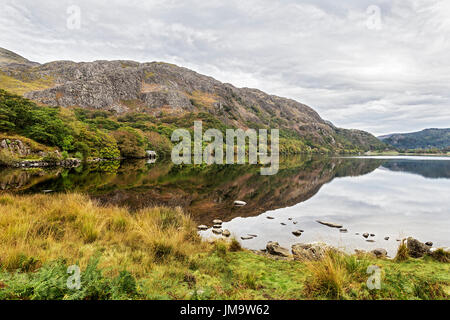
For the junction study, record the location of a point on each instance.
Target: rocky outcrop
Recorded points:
(16, 147)
(379, 253)
(309, 252)
(275, 249)
(416, 249)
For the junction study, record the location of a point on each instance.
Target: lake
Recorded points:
(391, 197)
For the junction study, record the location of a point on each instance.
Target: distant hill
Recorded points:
(9, 57)
(425, 139)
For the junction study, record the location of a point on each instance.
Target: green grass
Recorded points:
(157, 254)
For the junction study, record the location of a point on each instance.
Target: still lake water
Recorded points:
(391, 197)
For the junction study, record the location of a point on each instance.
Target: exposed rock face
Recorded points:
(275, 249)
(309, 252)
(16, 147)
(156, 88)
(416, 249)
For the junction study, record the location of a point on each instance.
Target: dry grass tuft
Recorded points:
(402, 252)
(40, 228)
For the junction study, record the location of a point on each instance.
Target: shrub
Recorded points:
(51, 157)
(441, 255)
(64, 155)
(130, 142)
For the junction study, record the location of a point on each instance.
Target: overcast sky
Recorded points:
(381, 66)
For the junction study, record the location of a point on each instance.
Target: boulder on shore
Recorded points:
(416, 249)
(275, 249)
(379, 253)
(226, 233)
(202, 227)
(240, 203)
(309, 252)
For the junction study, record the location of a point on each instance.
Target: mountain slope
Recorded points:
(9, 57)
(169, 92)
(425, 139)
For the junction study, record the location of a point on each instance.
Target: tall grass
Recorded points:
(402, 252)
(334, 275)
(41, 228)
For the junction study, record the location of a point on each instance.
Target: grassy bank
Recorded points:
(157, 254)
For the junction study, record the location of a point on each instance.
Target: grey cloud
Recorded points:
(318, 52)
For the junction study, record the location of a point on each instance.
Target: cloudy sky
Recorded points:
(382, 66)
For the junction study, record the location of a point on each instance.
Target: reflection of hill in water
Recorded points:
(206, 192)
(427, 168)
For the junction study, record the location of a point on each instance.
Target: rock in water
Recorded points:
(240, 203)
(246, 237)
(226, 233)
(308, 252)
(343, 230)
(370, 240)
(429, 243)
(365, 235)
(297, 233)
(252, 235)
(202, 227)
(217, 231)
(271, 218)
(379, 253)
(217, 226)
(275, 249)
(386, 238)
(330, 224)
(217, 221)
(416, 249)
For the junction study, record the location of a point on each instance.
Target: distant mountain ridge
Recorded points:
(425, 139)
(171, 93)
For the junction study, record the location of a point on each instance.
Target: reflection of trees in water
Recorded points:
(426, 168)
(206, 191)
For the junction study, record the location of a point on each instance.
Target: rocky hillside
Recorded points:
(425, 139)
(165, 90)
